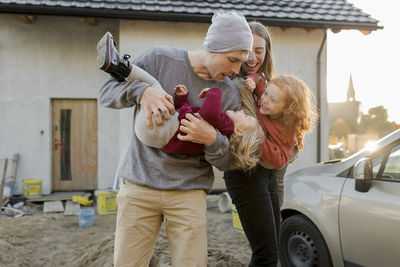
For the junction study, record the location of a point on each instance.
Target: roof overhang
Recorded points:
(173, 16)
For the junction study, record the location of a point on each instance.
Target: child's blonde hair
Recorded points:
(245, 149)
(299, 115)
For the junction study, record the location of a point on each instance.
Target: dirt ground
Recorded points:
(52, 239)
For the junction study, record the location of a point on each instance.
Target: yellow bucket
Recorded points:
(32, 188)
(237, 225)
(106, 202)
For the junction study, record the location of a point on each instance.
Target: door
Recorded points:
(370, 221)
(74, 144)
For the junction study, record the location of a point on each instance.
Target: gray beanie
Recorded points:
(228, 32)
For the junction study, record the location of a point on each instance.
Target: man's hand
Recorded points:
(154, 100)
(181, 90)
(197, 130)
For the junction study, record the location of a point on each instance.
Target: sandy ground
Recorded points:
(53, 239)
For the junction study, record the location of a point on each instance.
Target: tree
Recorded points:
(376, 119)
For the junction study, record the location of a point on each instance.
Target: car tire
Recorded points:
(302, 245)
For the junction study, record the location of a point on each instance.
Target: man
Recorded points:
(158, 186)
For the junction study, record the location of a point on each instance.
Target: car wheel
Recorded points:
(302, 245)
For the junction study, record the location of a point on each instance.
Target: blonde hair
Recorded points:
(299, 115)
(245, 149)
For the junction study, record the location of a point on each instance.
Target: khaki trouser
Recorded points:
(140, 213)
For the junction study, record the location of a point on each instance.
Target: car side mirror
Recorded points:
(362, 173)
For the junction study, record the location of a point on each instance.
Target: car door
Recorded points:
(369, 223)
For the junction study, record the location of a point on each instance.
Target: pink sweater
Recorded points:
(211, 111)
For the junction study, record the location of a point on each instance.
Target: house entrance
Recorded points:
(74, 144)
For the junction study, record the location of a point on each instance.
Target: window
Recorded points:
(387, 165)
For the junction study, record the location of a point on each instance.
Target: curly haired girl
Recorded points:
(286, 113)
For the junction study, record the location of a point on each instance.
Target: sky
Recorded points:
(372, 60)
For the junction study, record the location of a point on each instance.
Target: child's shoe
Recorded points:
(110, 61)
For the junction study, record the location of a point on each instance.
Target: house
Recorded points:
(50, 78)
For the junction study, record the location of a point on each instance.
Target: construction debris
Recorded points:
(11, 212)
(71, 208)
(83, 200)
(53, 206)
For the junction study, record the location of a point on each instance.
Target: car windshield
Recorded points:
(387, 165)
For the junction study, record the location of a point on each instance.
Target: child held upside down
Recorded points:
(244, 132)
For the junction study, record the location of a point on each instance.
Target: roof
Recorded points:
(335, 14)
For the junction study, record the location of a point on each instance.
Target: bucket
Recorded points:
(32, 188)
(86, 217)
(224, 202)
(106, 202)
(237, 225)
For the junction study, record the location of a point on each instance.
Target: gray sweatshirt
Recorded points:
(144, 165)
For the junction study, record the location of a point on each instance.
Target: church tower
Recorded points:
(351, 94)
(348, 111)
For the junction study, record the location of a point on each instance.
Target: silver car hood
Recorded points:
(329, 168)
(335, 167)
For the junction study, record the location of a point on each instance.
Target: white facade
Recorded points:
(55, 57)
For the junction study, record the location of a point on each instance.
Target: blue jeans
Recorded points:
(255, 195)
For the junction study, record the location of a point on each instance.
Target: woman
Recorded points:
(255, 192)
(261, 61)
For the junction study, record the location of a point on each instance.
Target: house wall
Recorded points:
(55, 57)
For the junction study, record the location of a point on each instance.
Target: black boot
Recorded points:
(109, 59)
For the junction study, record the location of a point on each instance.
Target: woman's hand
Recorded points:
(155, 100)
(250, 84)
(197, 130)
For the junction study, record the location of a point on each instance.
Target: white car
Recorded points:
(344, 212)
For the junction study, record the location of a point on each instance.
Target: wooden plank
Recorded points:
(11, 179)
(57, 196)
(2, 183)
